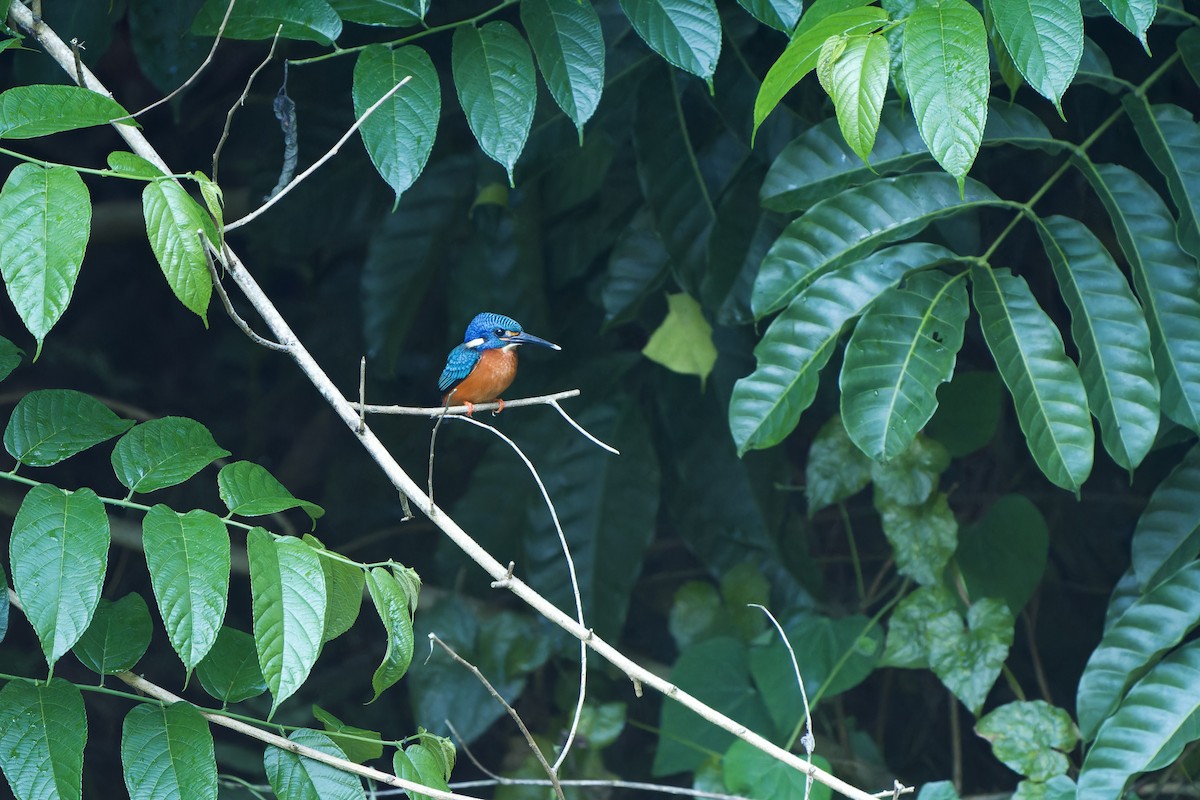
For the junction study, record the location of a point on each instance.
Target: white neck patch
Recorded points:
(471, 345)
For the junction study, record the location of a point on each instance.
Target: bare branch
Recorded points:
(436, 411)
(807, 740)
(216, 158)
(233, 315)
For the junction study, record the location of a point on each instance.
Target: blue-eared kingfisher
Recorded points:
(484, 365)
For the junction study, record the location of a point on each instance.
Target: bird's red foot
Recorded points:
(500, 403)
(470, 408)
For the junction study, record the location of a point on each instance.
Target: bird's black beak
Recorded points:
(520, 337)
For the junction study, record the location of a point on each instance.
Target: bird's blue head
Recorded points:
(490, 331)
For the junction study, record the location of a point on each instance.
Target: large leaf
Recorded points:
(288, 588)
(902, 350)
(569, 47)
(497, 88)
(856, 80)
(118, 636)
(766, 405)
(1031, 737)
(968, 659)
(43, 728)
(167, 752)
(45, 221)
(250, 491)
(159, 32)
(1155, 622)
(1148, 730)
(637, 265)
(1003, 553)
(311, 20)
(392, 604)
(850, 225)
(344, 584)
(39, 110)
(1045, 39)
(835, 469)
(1167, 281)
(392, 13)
(50, 425)
(58, 555)
(683, 343)
(163, 452)
(175, 222)
(1113, 340)
(1167, 535)
(1045, 385)
(923, 537)
(1135, 15)
(819, 164)
(399, 134)
(298, 778)
(422, 764)
(230, 671)
(1171, 137)
(687, 33)
(188, 558)
(779, 14)
(946, 72)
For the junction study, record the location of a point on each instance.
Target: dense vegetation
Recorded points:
(852, 288)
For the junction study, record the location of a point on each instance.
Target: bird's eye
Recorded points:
(499, 331)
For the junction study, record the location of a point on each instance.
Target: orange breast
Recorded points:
(491, 376)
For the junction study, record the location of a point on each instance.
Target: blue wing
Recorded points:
(459, 364)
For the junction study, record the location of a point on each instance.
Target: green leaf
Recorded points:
(683, 343)
(781, 15)
(51, 425)
(819, 164)
(1005, 66)
(1167, 281)
(43, 729)
(835, 470)
(1045, 39)
(163, 452)
(750, 772)
(118, 636)
(1167, 536)
(423, 765)
(766, 405)
(45, 221)
(399, 135)
(392, 13)
(127, 163)
(344, 590)
(908, 637)
(230, 671)
(1045, 385)
(968, 660)
(160, 34)
(359, 744)
(308, 20)
(3, 603)
(800, 56)
(922, 537)
(175, 223)
(248, 490)
(58, 554)
(911, 477)
(1031, 738)
(687, 33)
(288, 589)
(497, 88)
(946, 72)
(938, 790)
(392, 604)
(1113, 340)
(968, 412)
(852, 224)
(10, 357)
(298, 778)
(1148, 730)
(1135, 15)
(904, 347)
(857, 80)
(1003, 553)
(636, 267)
(167, 752)
(569, 46)
(40, 110)
(1171, 138)
(1154, 623)
(188, 558)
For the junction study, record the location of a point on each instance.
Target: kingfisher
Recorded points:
(484, 365)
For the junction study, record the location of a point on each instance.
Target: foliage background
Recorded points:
(583, 250)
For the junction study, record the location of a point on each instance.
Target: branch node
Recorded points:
(506, 581)
(362, 396)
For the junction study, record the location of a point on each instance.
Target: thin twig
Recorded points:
(362, 395)
(566, 548)
(435, 411)
(333, 151)
(462, 745)
(808, 741)
(233, 315)
(241, 101)
(512, 712)
(581, 429)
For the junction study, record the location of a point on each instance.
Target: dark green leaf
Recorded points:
(497, 88)
(166, 51)
(167, 752)
(118, 636)
(1167, 536)
(1003, 553)
(3, 603)
(1135, 15)
(1045, 385)
(250, 491)
(968, 412)
(39, 110)
(43, 728)
(687, 33)
(298, 778)
(902, 350)
(399, 134)
(10, 357)
(50, 425)
(127, 163)
(163, 452)
(636, 267)
(779, 14)
(852, 224)
(750, 772)
(359, 744)
(392, 604)
(569, 46)
(188, 558)
(923, 537)
(58, 554)
(835, 470)
(1171, 137)
(908, 636)
(230, 671)
(392, 13)
(45, 221)
(1031, 738)
(175, 222)
(1045, 39)
(911, 477)
(344, 589)
(310, 20)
